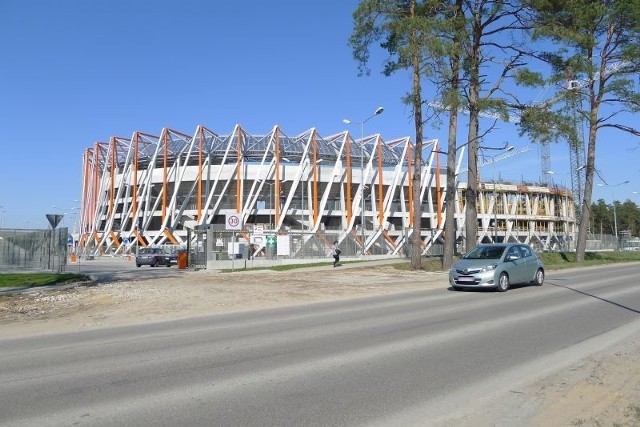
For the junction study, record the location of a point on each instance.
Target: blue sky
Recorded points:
(77, 72)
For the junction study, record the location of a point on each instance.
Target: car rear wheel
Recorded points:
(539, 279)
(138, 265)
(503, 282)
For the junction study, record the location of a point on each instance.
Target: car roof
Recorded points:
(499, 245)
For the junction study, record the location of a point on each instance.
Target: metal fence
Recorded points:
(34, 249)
(224, 245)
(602, 242)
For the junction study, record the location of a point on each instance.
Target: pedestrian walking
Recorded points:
(336, 254)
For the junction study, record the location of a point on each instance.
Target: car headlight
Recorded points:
(490, 267)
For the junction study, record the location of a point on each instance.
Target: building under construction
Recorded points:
(156, 190)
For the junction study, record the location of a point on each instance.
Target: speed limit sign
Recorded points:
(234, 222)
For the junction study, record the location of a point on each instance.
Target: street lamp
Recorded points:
(271, 197)
(378, 111)
(505, 147)
(615, 218)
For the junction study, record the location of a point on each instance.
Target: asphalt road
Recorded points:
(402, 359)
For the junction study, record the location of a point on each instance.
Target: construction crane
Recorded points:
(577, 150)
(545, 155)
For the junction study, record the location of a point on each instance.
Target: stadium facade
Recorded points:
(151, 190)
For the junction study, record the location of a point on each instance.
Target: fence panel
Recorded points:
(34, 249)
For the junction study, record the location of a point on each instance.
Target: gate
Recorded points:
(198, 252)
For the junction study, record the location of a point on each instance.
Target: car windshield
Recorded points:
(486, 252)
(147, 251)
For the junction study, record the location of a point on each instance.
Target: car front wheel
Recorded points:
(503, 282)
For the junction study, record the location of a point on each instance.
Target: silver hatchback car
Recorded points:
(497, 266)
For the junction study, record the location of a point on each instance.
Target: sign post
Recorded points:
(54, 220)
(234, 223)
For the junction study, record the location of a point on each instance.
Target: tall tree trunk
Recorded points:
(471, 213)
(585, 214)
(471, 197)
(450, 197)
(416, 236)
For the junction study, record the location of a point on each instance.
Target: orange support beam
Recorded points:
(170, 236)
(389, 239)
(112, 190)
(96, 178)
(114, 237)
(438, 192)
(139, 238)
(84, 214)
(349, 198)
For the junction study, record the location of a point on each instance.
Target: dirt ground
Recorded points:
(602, 390)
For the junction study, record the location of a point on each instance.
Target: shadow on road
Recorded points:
(594, 296)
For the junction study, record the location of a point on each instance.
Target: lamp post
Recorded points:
(615, 218)
(305, 180)
(271, 198)
(378, 111)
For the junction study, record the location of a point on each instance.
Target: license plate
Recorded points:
(466, 279)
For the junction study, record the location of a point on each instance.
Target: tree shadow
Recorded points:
(594, 296)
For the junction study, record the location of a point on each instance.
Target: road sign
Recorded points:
(54, 219)
(271, 241)
(234, 222)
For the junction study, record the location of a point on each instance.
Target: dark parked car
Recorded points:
(153, 257)
(173, 256)
(497, 266)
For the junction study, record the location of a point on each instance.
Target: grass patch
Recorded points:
(287, 267)
(633, 412)
(30, 280)
(557, 260)
(552, 261)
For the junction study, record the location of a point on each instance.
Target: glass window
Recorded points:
(514, 252)
(526, 251)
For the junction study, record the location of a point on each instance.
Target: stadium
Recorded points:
(308, 191)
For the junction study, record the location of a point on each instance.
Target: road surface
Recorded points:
(415, 358)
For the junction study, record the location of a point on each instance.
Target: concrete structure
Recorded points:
(150, 190)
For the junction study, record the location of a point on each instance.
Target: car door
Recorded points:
(530, 264)
(515, 265)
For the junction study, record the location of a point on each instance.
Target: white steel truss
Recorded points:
(148, 190)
